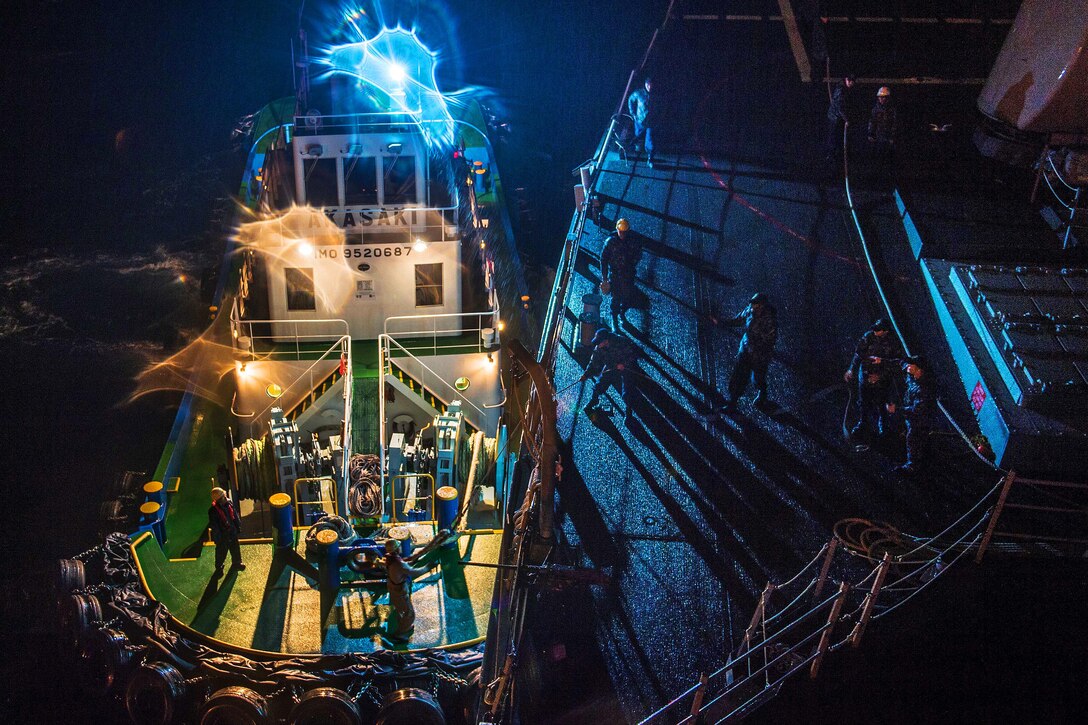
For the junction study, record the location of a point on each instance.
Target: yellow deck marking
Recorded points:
(800, 56)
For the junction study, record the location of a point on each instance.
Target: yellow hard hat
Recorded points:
(884, 91)
(622, 225)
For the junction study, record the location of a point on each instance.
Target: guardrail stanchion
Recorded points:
(1010, 477)
(697, 702)
(825, 638)
(831, 547)
(870, 600)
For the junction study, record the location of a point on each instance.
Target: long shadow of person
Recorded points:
(212, 602)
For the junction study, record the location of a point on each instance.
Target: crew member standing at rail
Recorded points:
(875, 356)
(917, 404)
(641, 107)
(612, 361)
(619, 265)
(883, 129)
(225, 526)
(760, 321)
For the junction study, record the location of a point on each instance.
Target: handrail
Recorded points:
(434, 331)
(341, 347)
(387, 360)
(1061, 178)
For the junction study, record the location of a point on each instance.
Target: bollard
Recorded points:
(328, 543)
(154, 491)
(590, 319)
(403, 536)
(447, 507)
(283, 518)
(152, 519)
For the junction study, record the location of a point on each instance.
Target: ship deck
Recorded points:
(275, 607)
(692, 514)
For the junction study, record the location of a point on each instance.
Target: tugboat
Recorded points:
(349, 398)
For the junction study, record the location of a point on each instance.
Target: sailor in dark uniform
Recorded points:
(917, 412)
(612, 362)
(619, 264)
(875, 359)
(760, 321)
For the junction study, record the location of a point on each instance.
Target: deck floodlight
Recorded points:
(419, 246)
(315, 150)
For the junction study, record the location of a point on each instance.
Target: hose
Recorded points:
(365, 487)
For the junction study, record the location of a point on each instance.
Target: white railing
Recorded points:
(444, 326)
(302, 331)
(428, 379)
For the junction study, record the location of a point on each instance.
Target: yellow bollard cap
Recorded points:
(149, 508)
(326, 537)
(279, 500)
(400, 533)
(152, 486)
(447, 493)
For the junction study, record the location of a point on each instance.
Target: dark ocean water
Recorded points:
(118, 164)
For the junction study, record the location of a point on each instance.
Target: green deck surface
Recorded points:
(187, 510)
(275, 606)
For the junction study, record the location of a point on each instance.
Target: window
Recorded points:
(361, 181)
(399, 173)
(321, 182)
(300, 289)
(428, 285)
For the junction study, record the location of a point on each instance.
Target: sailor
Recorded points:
(612, 362)
(641, 108)
(619, 265)
(883, 127)
(837, 118)
(760, 321)
(399, 575)
(917, 404)
(871, 369)
(225, 526)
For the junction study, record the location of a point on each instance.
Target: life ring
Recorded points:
(154, 694)
(234, 706)
(104, 655)
(79, 612)
(325, 706)
(410, 706)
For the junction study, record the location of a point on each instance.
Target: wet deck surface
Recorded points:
(692, 514)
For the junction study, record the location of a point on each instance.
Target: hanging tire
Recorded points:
(79, 614)
(325, 706)
(154, 695)
(409, 706)
(70, 575)
(113, 517)
(234, 706)
(104, 658)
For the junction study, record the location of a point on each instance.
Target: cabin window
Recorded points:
(300, 288)
(428, 285)
(399, 173)
(321, 182)
(361, 181)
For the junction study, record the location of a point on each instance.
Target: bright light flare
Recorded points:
(419, 246)
(305, 248)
